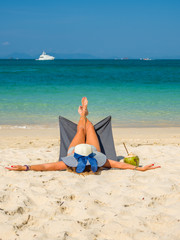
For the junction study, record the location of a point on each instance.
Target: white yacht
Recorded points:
(44, 56)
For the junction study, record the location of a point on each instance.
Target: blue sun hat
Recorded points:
(84, 155)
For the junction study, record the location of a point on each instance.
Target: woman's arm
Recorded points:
(114, 164)
(62, 166)
(40, 167)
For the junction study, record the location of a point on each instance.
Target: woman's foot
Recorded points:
(82, 114)
(80, 111)
(84, 105)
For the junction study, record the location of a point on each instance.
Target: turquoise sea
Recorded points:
(136, 93)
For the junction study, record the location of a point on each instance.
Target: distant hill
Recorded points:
(73, 56)
(56, 55)
(18, 55)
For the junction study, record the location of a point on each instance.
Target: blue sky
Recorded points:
(132, 28)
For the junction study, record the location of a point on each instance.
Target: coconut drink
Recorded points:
(131, 158)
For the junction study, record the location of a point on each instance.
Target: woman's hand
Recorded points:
(16, 168)
(148, 167)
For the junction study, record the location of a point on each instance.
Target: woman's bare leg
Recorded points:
(84, 102)
(80, 136)
(91, 136)
(85, 129)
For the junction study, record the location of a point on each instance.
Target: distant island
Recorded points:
(18, 55)
(21, 55)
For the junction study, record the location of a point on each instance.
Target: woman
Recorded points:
(83, 150)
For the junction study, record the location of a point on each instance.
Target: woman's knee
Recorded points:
(80, 130)
(90, 126)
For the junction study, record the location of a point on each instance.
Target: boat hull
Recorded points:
(49, 59)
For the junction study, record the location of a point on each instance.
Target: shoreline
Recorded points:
(115, 124)
(39, 136)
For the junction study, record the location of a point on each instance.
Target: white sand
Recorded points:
(117, 204)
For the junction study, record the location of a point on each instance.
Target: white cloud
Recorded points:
(5, 43)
